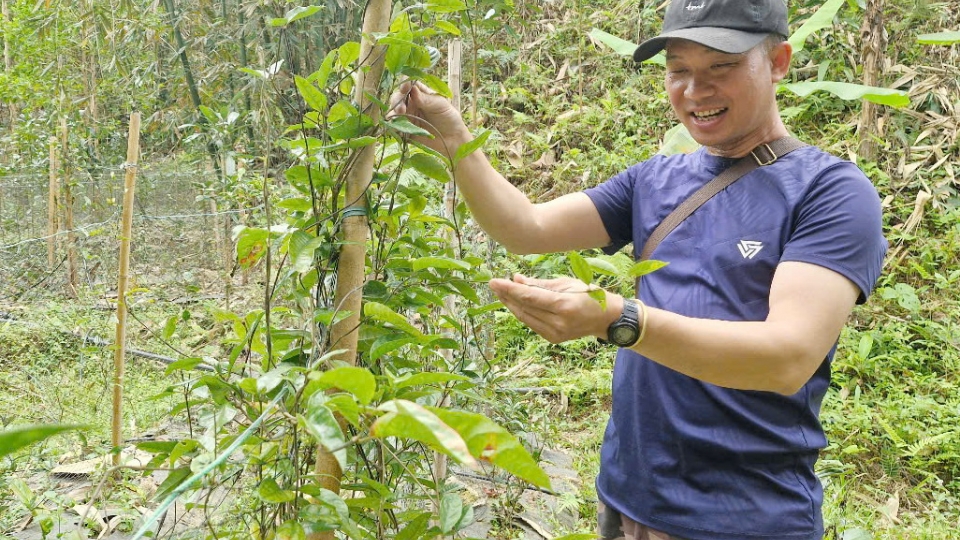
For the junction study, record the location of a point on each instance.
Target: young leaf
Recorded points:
(489, 442)
(406, 419)
(470, 147)
(603, 266)
(16, 438)
(445, 263)
(423, 378)
(170, 326)
(643, 268)
(322, 424)
(403, 125)
(819, 20)
(430, 167)
(358, 381)
(311, 94)
(600, 296)
(384, 314)
(451, 509)
(271, 492)
(851, 92)
(939, 38)
(580, 267)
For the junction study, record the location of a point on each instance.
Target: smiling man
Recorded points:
(724, 354)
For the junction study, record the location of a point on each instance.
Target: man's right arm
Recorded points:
(567, 223)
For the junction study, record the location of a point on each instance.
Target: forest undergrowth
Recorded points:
(563, 113)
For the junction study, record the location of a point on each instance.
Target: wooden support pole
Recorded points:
(351, 270)
(454, 56)
(52, 204)
(72, 279)
(129, 183)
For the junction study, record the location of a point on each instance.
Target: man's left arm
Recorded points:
(809, 305)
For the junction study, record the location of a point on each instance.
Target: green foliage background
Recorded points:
(562, 114)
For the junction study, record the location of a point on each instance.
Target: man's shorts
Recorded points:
(616, 526)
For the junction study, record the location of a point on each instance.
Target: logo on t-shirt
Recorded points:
(749, 248)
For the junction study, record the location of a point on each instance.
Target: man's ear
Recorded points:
(780, 56)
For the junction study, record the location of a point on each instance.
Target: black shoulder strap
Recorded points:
(765, 154)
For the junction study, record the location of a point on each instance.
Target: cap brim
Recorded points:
(722, 39)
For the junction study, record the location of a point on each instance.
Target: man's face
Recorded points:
(726, 101)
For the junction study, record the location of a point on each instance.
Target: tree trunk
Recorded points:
(873, 42)
(351, 266)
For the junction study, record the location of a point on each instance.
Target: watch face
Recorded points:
(624, 335)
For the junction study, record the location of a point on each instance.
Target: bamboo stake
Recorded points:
(351, 268)
(52, 204)
(129, 183)
(72, 280)
(454, 59)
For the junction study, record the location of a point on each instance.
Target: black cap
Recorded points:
(731, 26)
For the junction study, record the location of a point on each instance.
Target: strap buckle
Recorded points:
(765, 160)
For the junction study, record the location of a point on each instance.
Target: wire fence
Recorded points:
(180, 236)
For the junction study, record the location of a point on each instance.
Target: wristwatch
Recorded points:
(625, 331)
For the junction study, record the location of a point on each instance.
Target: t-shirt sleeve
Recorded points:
(614, 202)
(839, 227)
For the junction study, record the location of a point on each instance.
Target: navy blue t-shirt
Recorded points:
(697, 460)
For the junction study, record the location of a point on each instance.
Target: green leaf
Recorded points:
(170, 327)
(384, 314)
(451, 510)
(424, 378)
(185, 364)
(403, 125)
(388, 345)
(493, 306)
(602, 266)
(322, 424)
(821, 19)
(580, 267)
(16, 438)
(271, 492)
(291, 530)
(430, 167)
(415, 528)
(851, 92)
(445, 263)
(939, 38)
(157, 447)
(298, 13)
(471, 146)
(295, 204)
(622, 46)
(865, 346)
(619, 46)
(448, 27)
(251, 246)
(600, 296)
(321, 75)
(407, 420)
(311, 94)
(348, 53)
(174, 479)
(643, 268)
(489, 442)
(446, 6)
(303, 249)
(356, 380)
(677, 140)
